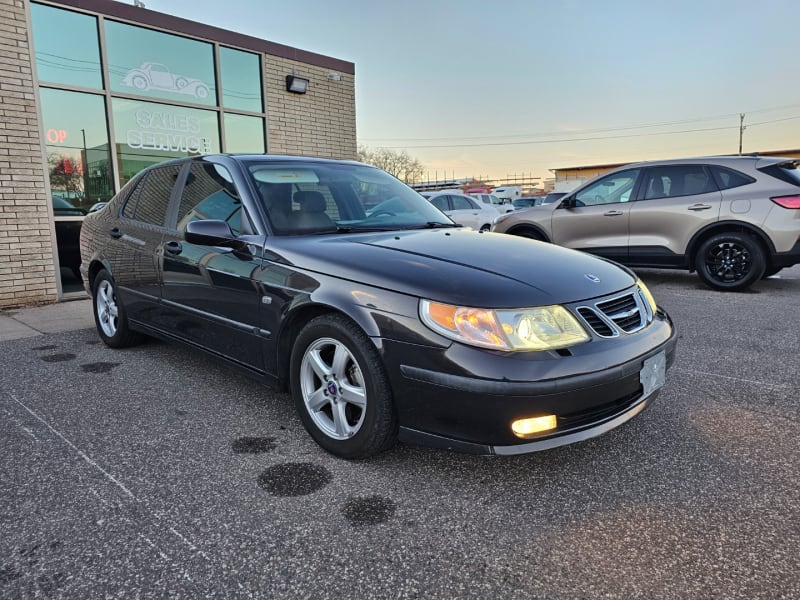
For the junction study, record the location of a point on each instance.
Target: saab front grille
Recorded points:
(624, 311)
(595, 322)
(621, 314)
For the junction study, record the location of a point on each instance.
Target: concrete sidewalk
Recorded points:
(17, 323)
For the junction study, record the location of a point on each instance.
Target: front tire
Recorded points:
(340, 389)
(109, 314)
(531, 234)
(730, 261)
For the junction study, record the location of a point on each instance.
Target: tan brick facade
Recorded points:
(319, 123)
(27, 269)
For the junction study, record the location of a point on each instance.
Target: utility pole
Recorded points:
(741, 131)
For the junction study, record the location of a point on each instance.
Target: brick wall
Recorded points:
(321, 122)
(27, 272)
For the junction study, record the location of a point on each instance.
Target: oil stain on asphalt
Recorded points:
(368, 510)
(253, 445)
(99, 367)
(294, 479)
(58, 357)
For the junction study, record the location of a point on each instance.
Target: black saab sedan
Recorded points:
(384, 319)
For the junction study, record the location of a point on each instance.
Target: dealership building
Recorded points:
(93, 91)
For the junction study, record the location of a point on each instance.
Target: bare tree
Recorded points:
(399, 164)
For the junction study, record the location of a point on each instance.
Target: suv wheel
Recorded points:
(730, 261)
(531, 234)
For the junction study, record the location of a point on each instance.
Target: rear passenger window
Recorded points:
(130, 203)
(728, 178)
(440, 202)
(462, 203)
(210, 194)
(677, 180)
(148, 202)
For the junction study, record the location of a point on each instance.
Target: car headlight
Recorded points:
(499, 219)
(651, 302)
(536, 328)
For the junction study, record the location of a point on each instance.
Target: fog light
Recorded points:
(527, 427)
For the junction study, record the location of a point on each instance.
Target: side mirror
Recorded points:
(566, 202)
(212, 232)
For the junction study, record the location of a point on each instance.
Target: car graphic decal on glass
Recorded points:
(155, 76)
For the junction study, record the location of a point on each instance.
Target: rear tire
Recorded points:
(340, 388)
(730, 261)
(109, 314)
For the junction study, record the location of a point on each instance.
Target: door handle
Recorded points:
(173, 248)
(697, 207)
(612, 213)
(116, 233)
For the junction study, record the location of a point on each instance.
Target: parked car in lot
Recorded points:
(392, 324)
(733, 220)
(527, 202)
(551, 197)
(463, 209)
(501, 206)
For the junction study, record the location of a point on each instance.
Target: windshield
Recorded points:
(315, 197)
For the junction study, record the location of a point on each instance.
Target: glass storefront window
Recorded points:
(241, 80)
(76, 139)
(159, 65)
(67, 47)
(79, 167)
(148, 133)
(244, 134)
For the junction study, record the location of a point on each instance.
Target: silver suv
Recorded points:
(734, 220)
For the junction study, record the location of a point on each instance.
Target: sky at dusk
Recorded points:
(495, 88)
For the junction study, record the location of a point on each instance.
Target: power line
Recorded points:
(585, 139)
(575, 132)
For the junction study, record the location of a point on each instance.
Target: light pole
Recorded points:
(84, 167)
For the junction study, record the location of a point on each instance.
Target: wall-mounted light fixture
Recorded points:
(296, 85)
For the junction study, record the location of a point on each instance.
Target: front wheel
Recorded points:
(109, 314)
(531, 234)
(340, 389)
(730, 261)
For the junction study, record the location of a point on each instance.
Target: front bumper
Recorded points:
(469, 413)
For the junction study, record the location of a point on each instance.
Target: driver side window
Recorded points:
(209, 193)
(611, 189)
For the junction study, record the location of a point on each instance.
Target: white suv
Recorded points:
(464, 210)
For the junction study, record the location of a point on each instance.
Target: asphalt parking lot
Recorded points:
(156, 472)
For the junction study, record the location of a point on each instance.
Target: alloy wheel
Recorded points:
(333, 390)
(107, 310)
(728, 261)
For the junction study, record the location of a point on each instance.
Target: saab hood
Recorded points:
(456, 266)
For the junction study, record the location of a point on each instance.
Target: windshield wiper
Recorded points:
(434, 225)
(353, 228)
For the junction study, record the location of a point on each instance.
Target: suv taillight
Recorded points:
(787, 201)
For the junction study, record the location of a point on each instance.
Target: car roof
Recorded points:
(744, 161)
